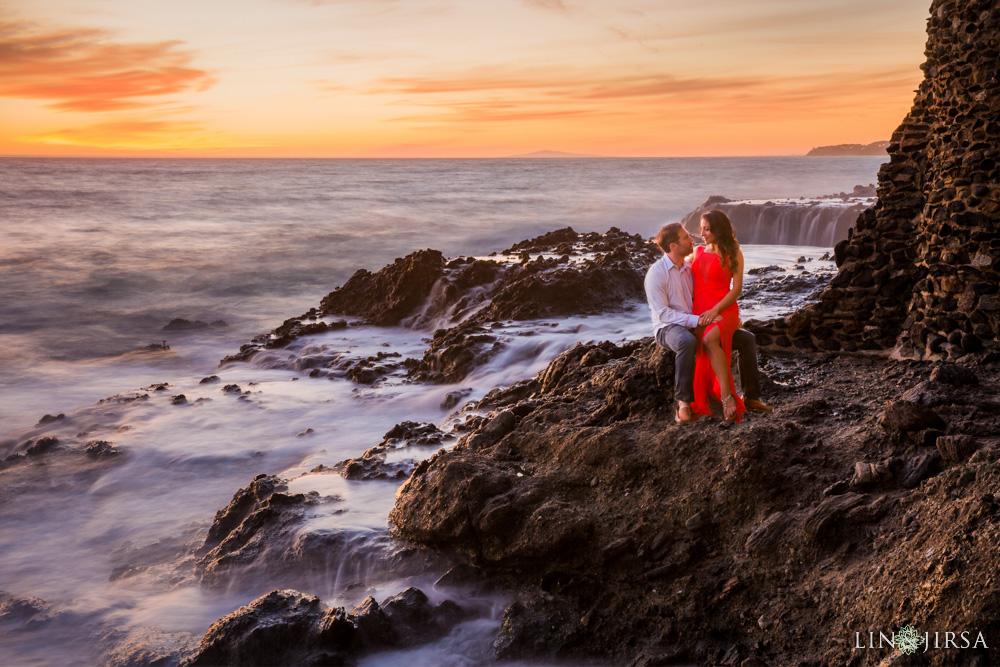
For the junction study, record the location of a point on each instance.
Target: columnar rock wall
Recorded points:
(919, 273)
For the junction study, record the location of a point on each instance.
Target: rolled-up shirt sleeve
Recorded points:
(658, 298)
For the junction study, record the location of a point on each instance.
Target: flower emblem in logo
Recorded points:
(908, 639)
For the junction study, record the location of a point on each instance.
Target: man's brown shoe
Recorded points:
(756, 405)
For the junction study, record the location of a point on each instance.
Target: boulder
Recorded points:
(904, 416)
(956, 448)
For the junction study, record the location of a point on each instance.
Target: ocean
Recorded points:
(99, 255)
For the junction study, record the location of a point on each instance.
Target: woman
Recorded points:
(718, 280)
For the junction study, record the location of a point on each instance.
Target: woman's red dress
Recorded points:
(712, 283)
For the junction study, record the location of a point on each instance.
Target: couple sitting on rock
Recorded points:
(693, 302)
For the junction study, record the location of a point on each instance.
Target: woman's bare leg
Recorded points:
(717, 358)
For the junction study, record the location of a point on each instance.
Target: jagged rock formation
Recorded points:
(920, 272)
(286, 627)
(645, 542)
(557, 274)
(260, 534)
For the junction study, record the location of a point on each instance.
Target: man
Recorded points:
(669, 290)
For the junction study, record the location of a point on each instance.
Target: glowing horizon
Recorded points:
(437, 78)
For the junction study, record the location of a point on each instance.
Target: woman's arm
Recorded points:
(733, 293)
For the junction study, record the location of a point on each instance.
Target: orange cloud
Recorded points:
(133, 133)
(81, 70)
(539, 94)
(561, 84)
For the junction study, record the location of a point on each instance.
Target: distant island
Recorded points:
(552, 154)
(876, 148)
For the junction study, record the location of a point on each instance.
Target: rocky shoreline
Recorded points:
(865, 502)
(651, 543)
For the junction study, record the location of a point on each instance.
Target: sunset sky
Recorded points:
(452, 78)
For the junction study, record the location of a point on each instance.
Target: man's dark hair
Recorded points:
(669, 233)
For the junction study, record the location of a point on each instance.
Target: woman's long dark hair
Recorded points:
(725, 238)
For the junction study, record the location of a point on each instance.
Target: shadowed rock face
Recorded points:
(290, 628)
(921, 270)
(386, 297)
(636, 539)
(261, 534)
(558, 274)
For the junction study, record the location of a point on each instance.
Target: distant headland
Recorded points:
(876, 148)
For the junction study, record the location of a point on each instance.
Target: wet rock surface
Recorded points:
(554, 275)
(373, 464)
(262, 532)
(286, 627)
(616, 525)
(22, 613)
(256, 530)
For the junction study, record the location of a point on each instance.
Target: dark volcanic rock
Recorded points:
(541, 626)
(48, 419)
(954, 375)
(520, 519)
(766, 537)
(956, 448)
(454, 352)
(579, 484)
(180, 324)
(254, 530)
(824, 522)
(42, 446)
(386, 297)
(280, 628)
(102, 449)
(22, 613)
(918, 468)
(415, 621)
(290, 628)
(240, 507)
(422, 290)
(372, 464)
(920, 271)
(261, 534)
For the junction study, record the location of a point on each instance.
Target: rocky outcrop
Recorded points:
(386, 297)
(286, 627)
(261, 534)
(639, 540)
(256, 528)
(920, 274)
(373, 463)
(557, 274)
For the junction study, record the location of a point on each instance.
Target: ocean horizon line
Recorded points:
(374, 159)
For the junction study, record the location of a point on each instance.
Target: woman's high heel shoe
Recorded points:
(729, 402)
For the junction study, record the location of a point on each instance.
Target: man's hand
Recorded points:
(709, 317)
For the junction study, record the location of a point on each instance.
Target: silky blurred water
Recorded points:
(98, 255)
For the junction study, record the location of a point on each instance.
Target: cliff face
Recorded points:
(919, 273)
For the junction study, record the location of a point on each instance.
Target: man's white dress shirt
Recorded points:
(669, 290)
